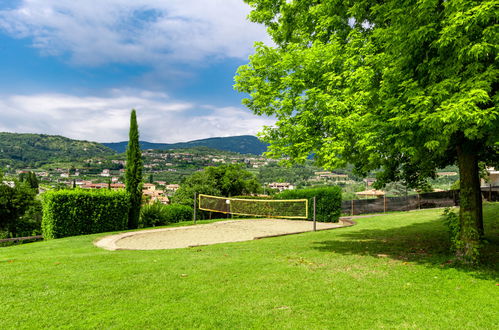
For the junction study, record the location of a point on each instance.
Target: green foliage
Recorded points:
(458, 244)
(451, 220)
(152, 215)
(395, 85)
(30, 178)
(14, 204)
(158, 214)
(30, 223)
(80, 212)
(35, 150)
(133, 174)
(328, 201)
(224, 180)
(296, 174)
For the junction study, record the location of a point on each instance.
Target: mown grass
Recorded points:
(391, 271)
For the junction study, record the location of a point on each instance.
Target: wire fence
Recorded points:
(412, 202)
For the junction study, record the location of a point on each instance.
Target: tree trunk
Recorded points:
(470, 212)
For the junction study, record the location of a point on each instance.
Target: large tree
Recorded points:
(224, 180)
(133, 174)
(402, 86)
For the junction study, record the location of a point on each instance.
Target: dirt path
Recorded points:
(207, 234)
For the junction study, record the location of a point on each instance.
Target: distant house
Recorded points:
(370, 193)
(492, 179)
(172, 187)
(95, 186)
(281, 186)
(148, 187)
(90, 185)
(105, 172)
(154, 195)
(447, 173)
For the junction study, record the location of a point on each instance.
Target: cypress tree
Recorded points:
(133, 174)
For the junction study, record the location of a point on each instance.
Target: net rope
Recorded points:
(272, 208)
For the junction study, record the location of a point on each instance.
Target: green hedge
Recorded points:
(328, 201)
(158, 214)
(81, 212)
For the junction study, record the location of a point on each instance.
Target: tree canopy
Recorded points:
(224, 180)
(405, 87)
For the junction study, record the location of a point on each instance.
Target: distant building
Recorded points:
(105, 172)
(281, 186)
(447, 173)
(492, 178)
(172, 187)
(148, 187)
(370, 193)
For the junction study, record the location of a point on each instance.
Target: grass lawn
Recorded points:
(390, 271)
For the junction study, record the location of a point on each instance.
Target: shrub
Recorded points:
(152, 215)
(328, 201)
(158, 214)
(177, 212)
(80, 212)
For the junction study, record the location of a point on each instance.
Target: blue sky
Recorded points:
(76, 68)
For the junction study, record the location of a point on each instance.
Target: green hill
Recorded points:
(244, 144)
(33, 150)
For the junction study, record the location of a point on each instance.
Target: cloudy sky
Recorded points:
(77, 68)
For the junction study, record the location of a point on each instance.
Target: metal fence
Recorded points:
(405, 203)
(412, 202)
(490, 193)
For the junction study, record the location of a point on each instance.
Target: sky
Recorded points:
(77, 68)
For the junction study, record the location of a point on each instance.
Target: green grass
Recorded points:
(390, 271)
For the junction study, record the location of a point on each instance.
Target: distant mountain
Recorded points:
(31, 150)
(244, 144)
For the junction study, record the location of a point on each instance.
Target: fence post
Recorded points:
(419, 202)
(352, 207)
(315, 225)
(384, 203)
(194, 213)
(490, 192)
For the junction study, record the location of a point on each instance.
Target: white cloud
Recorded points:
(151, 32)
(106, 118)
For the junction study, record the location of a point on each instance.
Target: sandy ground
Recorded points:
(207, 234)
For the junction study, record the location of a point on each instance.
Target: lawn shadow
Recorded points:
(422, 243)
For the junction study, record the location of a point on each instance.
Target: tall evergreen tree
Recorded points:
(133, 174)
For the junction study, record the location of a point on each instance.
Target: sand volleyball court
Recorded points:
(207, 234)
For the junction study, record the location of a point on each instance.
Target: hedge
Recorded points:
(81, 212)
(158, 214)
(328, 201)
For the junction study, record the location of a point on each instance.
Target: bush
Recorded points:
(152, 215)
(81, 212)
(328, 201)
(177, 212)
(158, 214)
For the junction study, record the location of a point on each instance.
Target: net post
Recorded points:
(194, 212)
(315, 225)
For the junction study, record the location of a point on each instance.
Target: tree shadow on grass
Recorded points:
(422, 243)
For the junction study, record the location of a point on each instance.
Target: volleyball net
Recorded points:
(272, 208)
